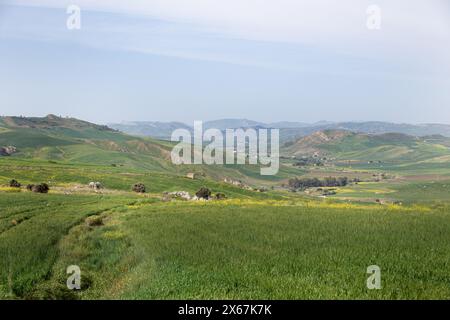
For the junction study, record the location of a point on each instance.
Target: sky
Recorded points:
(186, 60)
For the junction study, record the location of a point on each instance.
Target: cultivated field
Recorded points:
(144, 248)
(271, 244)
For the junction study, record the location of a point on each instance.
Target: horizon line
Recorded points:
(305, 124)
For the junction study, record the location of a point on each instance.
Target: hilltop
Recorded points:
(72, 140)
(48, 122)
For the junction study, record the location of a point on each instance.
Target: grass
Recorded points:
(255, 245)
(31, 226)
(265, 252)
(245, 249)
(271, 245)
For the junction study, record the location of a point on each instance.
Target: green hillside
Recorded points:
(74, 141)
(345, 145)
(253, 244)
(54, 142)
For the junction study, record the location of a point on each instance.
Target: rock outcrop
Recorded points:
(7, 151)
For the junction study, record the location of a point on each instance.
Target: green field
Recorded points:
(255, 249)
(275, 244)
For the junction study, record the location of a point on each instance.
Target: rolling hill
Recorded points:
(347, 145)
(73, 141)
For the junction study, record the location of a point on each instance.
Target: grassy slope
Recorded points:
(256, 245)
(90, 146)
(414, 165)
(30, 228)
(286, 252)
(244, 249)
(386, 147)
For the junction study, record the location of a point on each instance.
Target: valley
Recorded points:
(264, 240)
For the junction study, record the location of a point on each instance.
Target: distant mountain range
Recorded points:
(289, 131)
(154, 129)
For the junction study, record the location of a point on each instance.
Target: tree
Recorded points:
(203, 193)
(41, 188)
(14, 184)
(220, 196)
(139, 188)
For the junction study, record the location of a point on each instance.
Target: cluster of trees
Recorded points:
(309, 162)
(38, 188)
(316, 183)
(205, 193)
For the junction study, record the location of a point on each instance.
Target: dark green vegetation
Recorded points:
(327, 182)
(272, 244)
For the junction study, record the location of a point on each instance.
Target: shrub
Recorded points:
(220, 196)
(14, 184)
(40, 188)
(139, 188)
(30, 187)
(94, 221)
(203, 193)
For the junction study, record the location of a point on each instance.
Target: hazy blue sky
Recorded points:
(188, 60)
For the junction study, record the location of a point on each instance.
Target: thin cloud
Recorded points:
(411, 29)
(282, 20)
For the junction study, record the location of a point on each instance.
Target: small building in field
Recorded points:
(192, 175)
